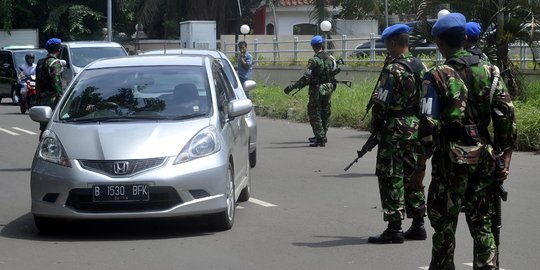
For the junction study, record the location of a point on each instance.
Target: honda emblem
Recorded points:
(121, 167)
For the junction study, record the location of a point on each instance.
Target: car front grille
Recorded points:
(161, 198)
(122, 168)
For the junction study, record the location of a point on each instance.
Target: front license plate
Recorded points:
(120, 193)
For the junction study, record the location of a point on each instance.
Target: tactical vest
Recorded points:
(414, 66)
(43, 77)
(475, 127)
(326, 64)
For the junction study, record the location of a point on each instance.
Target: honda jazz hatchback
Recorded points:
(143, 137)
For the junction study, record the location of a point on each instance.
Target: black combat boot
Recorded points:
(392, 235)
(318, 142)
(314, 139)
(416, 231)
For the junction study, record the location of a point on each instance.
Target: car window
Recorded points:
(131, 93)
(224, 92)
(19, 56)
(84, 56)
(229, 72)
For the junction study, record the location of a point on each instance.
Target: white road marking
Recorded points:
(468, 264)
(471, 265)
(25, 131)
(9, 132)
(239, 207)
(261, 203)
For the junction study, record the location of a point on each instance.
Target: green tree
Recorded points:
(503, 22)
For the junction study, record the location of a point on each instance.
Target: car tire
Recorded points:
(253, 158)
(245, 194)
(48, 225)
(223, 221)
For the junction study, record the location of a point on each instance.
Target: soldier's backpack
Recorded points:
(43, 78)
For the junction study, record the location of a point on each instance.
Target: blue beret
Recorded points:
(450, 21)
(316, 40)
(395, 29)
(472, 29)
(52, 41)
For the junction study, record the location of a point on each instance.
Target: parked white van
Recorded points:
(78, 54)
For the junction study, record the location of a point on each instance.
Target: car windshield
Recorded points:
(138, 93)
(84, 56)
(19, 56)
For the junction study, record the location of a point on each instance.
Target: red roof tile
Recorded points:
(294, 2)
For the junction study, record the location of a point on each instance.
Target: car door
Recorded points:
(8, 76)
(67, 71)
(234, 130)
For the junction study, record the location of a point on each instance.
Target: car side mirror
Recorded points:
(239, 107)
(249, 85)
(41, 114)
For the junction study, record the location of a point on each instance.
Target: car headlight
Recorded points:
(204, 143)
(50, 149)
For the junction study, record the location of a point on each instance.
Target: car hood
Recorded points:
(114, 141)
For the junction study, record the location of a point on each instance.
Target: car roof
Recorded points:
(86, 44)
(22, 50)
(150, 60)
(213, 53)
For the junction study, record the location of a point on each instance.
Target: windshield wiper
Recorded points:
(187, 116)
(115, 119)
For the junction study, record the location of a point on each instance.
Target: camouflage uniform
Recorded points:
(49, 97)
(463, 166)
(395, 120)
(318, 76)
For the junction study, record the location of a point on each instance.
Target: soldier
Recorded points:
(395, 121)
(459, 100)
(49, 77)
(319, 77)
(473, 30)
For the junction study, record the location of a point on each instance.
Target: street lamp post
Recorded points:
(326, 26)
(244, 29)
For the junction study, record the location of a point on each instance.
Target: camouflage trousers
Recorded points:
(453, 186)
(318, 110)
(400, 192)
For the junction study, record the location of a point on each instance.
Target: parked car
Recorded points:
(10, 61)
(78, 54)
(421, 47)
(143, 137)
(251, 118)
(363, 50)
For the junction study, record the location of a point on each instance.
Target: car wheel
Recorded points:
(224, 220)
(245, 194)
(253, 159)
(48, 225)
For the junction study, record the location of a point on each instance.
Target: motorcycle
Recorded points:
(28, 93)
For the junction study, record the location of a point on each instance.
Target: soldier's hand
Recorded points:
(288, 88)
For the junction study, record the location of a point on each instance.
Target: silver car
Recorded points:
(143, 137)
(240, 90)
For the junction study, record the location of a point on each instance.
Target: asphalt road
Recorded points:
(307, 213)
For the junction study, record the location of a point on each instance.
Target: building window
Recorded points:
(269, 29)
(304, 29)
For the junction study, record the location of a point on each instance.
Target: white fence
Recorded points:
(296, 51)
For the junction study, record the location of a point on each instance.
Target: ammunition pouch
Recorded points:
(463, 154)
(403, 113)
(326, 89)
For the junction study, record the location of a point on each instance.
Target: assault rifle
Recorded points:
(500, 194)
(370, 102)
(371, 142)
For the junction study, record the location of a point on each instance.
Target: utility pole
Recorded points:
(109, 20)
